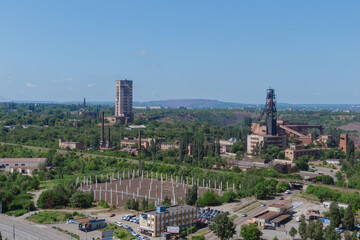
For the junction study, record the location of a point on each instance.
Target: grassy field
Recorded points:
(49, 217)
(118, 232)
(251, 207)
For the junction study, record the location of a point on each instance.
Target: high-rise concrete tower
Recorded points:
(124, 100)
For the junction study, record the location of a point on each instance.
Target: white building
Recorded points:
(22, 165)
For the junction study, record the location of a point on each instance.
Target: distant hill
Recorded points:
(193, 103)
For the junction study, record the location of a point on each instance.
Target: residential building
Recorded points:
(296, 151)
(124, 100)
(173, 219)
(258, 142)
(22, 165)
(71, 145)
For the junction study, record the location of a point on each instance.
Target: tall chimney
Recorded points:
(102, 142)
(139, 138)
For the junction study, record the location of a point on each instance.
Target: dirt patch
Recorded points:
(118, 191)
(354, 127)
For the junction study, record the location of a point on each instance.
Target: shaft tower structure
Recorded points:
(270, 112)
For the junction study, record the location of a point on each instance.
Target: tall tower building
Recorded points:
(124, 100)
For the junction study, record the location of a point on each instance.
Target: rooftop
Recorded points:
(2, 160)
(280, 218)
(171, 209)
(267, 215)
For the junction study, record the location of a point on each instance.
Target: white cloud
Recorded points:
(91, 85)
(69, 79)
(142, 52)
(30, 85)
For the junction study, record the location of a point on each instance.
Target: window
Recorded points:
(16, 164)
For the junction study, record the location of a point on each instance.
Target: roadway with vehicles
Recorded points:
(25, 230)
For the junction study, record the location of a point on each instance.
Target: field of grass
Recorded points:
(49, 217)
(233, 217)
(251, 207)
(118, 232)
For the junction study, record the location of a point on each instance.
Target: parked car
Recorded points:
(112, 215)
(281, 198)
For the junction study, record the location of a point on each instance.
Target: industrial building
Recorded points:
(173, 219)
(22, 165)
(71, 145)
(258, 142)
(124, 100)
(344, 138)
(273, 216)
(295, 151)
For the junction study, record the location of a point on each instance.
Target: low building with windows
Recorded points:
(22, 165)
(71, 145)
(173, 219)
(296, 151)
(89, 224)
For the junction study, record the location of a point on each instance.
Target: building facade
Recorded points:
(344, 138)
(258, 142)
(22, 165)
(176, 218)
(296, 151)
(124, 99)
(71, 145)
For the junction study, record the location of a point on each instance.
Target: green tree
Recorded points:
(301, 164)
(223, 227)
(153, 149)
(46, 199)
(349, 218)
(191, 195)
(318, 232)
(261, 192)
(250, 232)
(144, 204)
(293, 232)
(350, 152)
(80, 200)
(167, 201)
(330, 233)
(310, 230)
(335, 217)
(302, 228)
(275, 238)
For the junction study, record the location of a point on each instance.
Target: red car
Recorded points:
(112, 215)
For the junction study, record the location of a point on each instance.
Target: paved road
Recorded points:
(25, 230)
(327, 171)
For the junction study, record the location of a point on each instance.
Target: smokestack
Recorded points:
(102, 129)
(139, 138)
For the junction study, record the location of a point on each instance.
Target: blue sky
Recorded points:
(309, 51)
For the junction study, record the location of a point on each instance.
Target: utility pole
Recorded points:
(14, 231)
